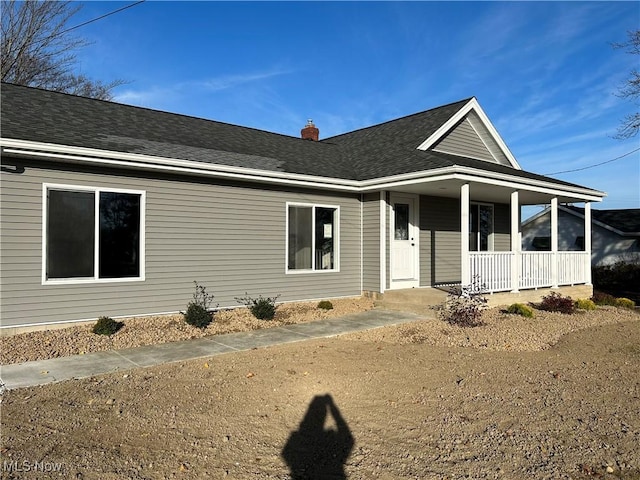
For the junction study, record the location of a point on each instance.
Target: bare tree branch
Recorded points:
(37, 51)
(630, 125)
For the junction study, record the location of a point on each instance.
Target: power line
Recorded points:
(596, 164)
(101, 17)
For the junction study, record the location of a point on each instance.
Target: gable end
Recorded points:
(463, 140)
(469, 133)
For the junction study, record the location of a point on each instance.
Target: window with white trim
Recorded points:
(93, 233)
(312, 237)
(480, 227)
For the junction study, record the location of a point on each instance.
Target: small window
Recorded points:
(401, 218)
(312, 238)
(93, 234)
(480, 227)
(541, 243)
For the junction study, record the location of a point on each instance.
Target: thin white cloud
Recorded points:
(224, 82)
(151, 97)
(163, 96)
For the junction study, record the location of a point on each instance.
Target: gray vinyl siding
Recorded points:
(228, 237)
(501, 227)
(371, 242)
(464, 141)
(439, 240)
(488, 139)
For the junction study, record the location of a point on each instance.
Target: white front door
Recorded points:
(404, 241)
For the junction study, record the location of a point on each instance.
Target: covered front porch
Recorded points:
(516, 270)
(465, 228)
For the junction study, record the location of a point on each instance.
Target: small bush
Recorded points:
(325, 305)
(625, 303)
(601, 298)
(554, 302)
(106, 326)
(585, 304)
(198, 312)
(520, 309)
(464, 305)
(263, 308)
(197, 316)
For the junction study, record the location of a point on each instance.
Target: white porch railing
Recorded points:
(572, 268)
(493, 269)
(535, 269)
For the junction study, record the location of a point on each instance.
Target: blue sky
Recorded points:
(544, 72)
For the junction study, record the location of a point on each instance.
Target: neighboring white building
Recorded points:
(615, 233)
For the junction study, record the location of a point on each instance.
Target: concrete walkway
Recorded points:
(41, 372)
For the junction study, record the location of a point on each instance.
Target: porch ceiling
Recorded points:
(483, 192)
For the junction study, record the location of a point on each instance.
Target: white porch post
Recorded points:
(465, 268)
(554, 242)
(383, 241)
(515, 242)
(587, 242)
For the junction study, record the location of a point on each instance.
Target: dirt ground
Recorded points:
(384, 404)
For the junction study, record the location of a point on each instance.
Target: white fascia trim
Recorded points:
(481, 176)
(459, 115)
(148, 162)
(533, 186)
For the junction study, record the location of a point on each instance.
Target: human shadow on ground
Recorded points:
(313, 452)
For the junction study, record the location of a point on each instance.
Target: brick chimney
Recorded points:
(310, 131)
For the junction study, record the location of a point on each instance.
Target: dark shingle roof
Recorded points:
(625, 220)
(379, 151)
(40, 115)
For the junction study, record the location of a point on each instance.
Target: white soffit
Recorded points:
(471, 106)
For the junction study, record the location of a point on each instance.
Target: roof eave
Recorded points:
(483, 176)
(83, 155)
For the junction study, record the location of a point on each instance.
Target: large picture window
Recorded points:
(312, 238)
(93, 234)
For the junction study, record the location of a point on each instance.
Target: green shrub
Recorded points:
(197, 316)
(199, 312)
(585, 304)
(625, 303)
(106, 326)
(554, 302)
(602, 298)
(263, 308)
(464, 305)
(325, 305)
(520, 309)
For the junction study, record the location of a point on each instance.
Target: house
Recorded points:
(615, 234)
(109, 209)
